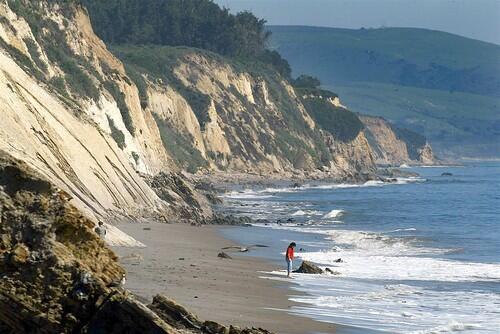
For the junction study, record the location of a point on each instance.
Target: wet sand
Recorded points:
(180, 261)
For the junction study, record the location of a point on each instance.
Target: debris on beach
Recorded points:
(242, 249)
(224, 255)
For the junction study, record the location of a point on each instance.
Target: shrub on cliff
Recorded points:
(343, 124)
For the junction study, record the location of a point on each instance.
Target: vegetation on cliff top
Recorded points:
(194, 23)
(52, 38)
(343, 124)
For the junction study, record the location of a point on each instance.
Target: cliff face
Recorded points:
(101, 130)
(395, 146)
(70, 112)
(216, 114)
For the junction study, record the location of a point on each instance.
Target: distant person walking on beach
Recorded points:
(289, 258)
(101, 230)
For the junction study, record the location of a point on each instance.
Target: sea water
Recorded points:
(421, 255)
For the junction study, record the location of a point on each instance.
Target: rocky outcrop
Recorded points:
(308, 268)
(178, 316)
(186, 203)
(426, 155)
(55, 270)
(57, 276)
(395, 146)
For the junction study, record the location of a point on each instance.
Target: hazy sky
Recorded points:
(479, 19)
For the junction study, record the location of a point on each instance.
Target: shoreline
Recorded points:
(180, 261)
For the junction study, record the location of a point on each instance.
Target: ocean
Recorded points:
(421, 255)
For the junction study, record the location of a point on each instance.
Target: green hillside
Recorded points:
(443, 85)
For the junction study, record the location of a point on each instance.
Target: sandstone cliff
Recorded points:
(102, 130)
(70, 112)
(394, 146)
(218, 114)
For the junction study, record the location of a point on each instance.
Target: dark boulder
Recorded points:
(331, 272)
(308, 268)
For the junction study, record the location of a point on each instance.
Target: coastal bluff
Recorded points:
(59, 277)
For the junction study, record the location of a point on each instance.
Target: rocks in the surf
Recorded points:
(339, 260)
(331, 272)
(224, 255)
(263, 221)
(308, 268)
(447, 174)
(296, 185)
(220, 219)
(394, 173)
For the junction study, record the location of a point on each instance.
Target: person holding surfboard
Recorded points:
(289, 258)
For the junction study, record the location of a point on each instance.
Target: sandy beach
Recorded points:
(180, 261)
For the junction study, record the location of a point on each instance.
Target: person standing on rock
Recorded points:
(289, 258)
(101, 230)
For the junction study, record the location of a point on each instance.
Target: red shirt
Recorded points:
(289, 253)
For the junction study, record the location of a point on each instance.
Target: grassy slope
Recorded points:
(467, 123)
(443, 85)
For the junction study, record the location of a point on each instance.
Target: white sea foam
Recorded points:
(371, 183)
(403, 230)
(386, 282)
(361, 265)
(246, 195)
(451, 327)
(369, 255)
(441, 166)
(299, 213)
(306, 213)
(249, 194)
(333, 214)
(278, 190)
(397, 308)
(412, 179)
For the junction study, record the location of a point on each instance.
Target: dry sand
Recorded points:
(180, 261)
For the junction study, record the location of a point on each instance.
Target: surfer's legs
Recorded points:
(289, 267)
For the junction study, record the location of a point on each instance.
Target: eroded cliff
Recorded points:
(218, 114)
(394, 146)
(70, 111)
(102, 128)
